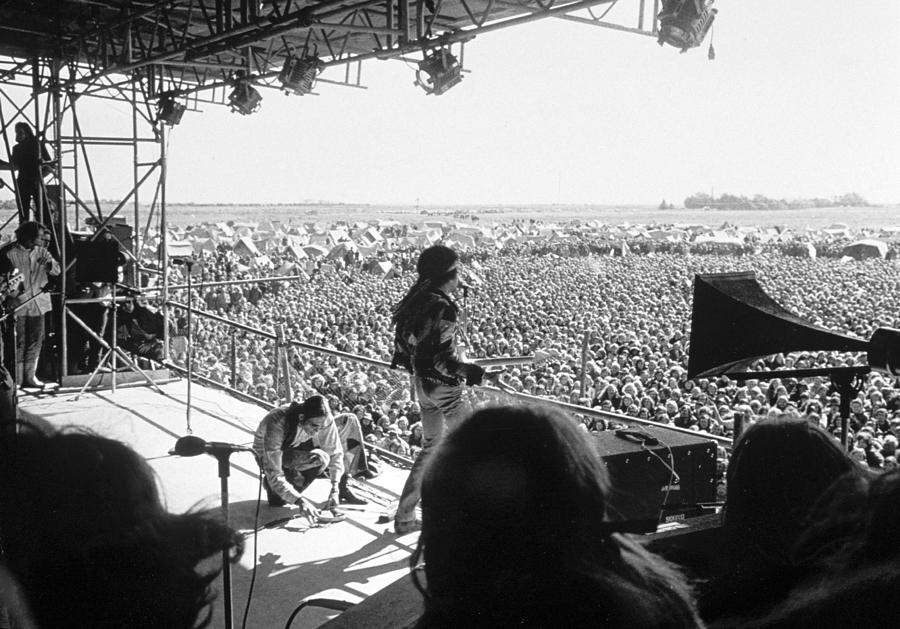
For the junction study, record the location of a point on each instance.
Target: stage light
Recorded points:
(298, 75)
(244, 99)
(684, 23)
(443, 72)
(168, 110)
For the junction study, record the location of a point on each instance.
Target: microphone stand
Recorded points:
(189, 267)
(224, 472)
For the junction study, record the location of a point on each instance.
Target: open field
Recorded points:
(814, 218)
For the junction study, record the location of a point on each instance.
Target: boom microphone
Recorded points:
(194, 446)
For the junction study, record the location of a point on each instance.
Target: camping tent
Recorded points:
(179, 249)
(295, 252)
(868, 248)
(315, 251)
(342, 249)
(245, 247)
(384, 270)
(204, 244)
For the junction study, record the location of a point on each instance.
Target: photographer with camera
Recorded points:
(425, 345)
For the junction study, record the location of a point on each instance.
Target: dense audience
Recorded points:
(514, 525)
(542, 296)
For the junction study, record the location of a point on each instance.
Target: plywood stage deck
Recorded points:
(347, 560)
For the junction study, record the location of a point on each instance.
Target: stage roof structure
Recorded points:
(195, 47)
(59, 59)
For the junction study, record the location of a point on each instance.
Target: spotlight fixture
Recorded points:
(244, 98)
(443, 71)
(684, 23)
(168, 110)
(299, 74)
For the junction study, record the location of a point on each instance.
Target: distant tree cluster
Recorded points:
(760, 202)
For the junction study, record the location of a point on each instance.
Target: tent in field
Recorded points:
(868, 248)
(245, 247)
(342, 249)
(460, 239)
(179, 249)
(367, 236)
(315, 251)
(295, 252)
(206, 245)
(368, 252)
(384, 270)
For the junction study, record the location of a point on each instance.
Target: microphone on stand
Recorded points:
(194, 446)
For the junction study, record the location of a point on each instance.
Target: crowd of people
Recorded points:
(540, 299)
(514, 498)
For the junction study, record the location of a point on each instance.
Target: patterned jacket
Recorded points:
(426, 339)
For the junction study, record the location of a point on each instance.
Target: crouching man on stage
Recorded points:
(294, 445)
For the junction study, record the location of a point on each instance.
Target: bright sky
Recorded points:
(801, 101)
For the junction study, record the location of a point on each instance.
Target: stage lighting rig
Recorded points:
(684, 23)
(244, 98)
(168, 110)
(442, 69)
(299, 74)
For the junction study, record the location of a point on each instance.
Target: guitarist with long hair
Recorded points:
(425, 323)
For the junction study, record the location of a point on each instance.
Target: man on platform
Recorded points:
(294, 445)
(29, 255)
(29, 157)
(425, 345)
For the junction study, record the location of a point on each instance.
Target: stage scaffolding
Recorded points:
(59, 58)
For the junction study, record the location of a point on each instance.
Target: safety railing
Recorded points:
(363, 380)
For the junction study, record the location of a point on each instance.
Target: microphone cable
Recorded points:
(255, 550)
(670, 465)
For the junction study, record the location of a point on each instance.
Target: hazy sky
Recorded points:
(803, 100)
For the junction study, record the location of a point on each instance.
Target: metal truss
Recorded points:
(201, 47)
(72, 195)
(58, 56)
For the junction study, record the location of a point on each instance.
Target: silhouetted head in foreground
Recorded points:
(85, 535)
(515, 533)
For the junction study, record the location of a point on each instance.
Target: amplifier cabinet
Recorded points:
(644, 487)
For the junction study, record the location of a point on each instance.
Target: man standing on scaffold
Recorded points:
(425, 345)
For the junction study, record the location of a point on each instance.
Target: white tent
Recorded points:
(315, 251)
(204, 244)
(245, 247)
(179, 249)
(294, 251)
(384, 270)
(342, 249)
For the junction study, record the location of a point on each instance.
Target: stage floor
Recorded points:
(347, 560)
